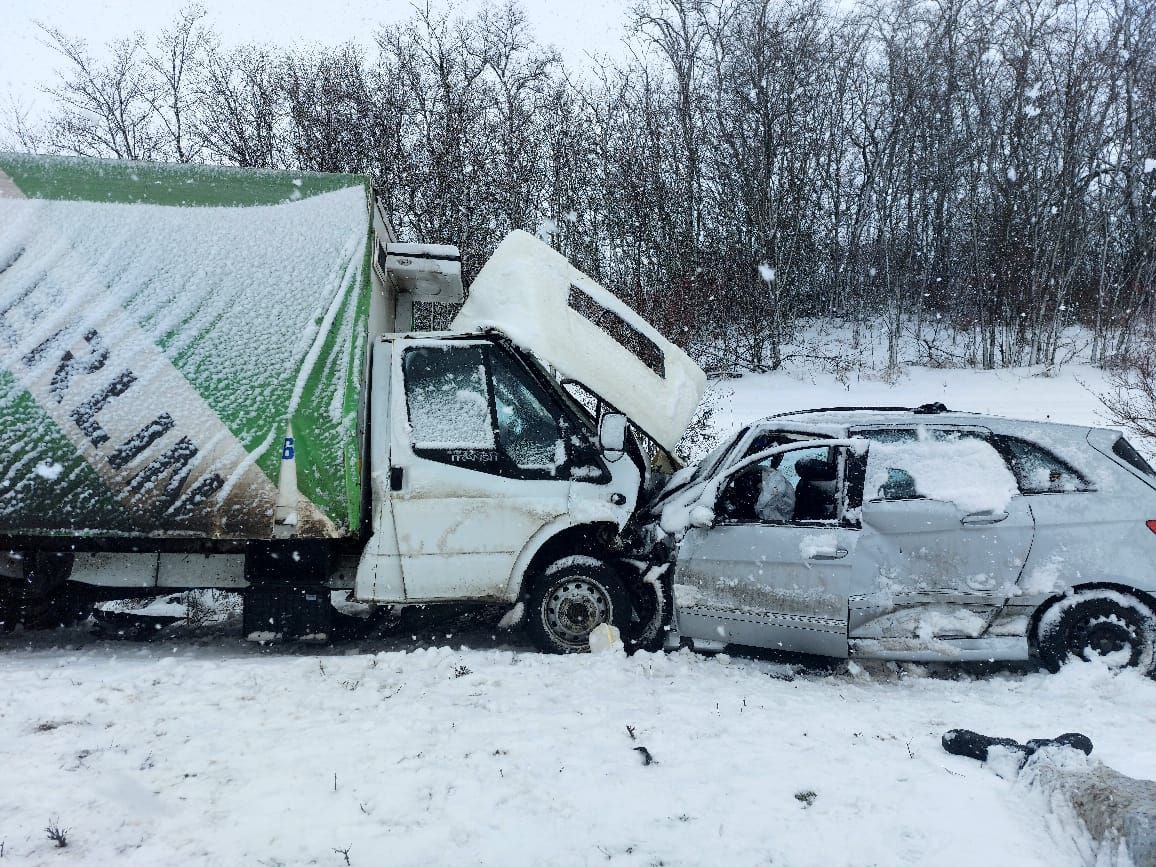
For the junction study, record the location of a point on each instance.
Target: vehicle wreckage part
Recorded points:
(973, 745)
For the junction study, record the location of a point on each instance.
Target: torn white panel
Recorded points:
(429, 272)
(529, 291)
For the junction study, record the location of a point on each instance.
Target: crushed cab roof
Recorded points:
(533, 295)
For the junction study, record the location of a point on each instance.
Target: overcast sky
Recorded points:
(575, 27)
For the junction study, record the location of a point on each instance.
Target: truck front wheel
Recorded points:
(571, 597)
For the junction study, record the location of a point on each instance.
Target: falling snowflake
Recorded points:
(547, 229)
(50, 470)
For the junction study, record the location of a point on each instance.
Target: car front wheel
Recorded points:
(569, 599)
(1109, 626)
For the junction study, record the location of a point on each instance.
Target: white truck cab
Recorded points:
(490, 481)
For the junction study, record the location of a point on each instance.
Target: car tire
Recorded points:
(653, 607)
(1108, 625)
(569, 598)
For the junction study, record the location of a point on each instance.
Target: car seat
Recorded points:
(816, 492)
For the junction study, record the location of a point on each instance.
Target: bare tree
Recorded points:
(103, 107)
(174, 61)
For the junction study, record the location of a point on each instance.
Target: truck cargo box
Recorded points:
(170, 336)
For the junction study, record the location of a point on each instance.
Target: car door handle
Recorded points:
(396, 478)
(984, 518)
(828, 554)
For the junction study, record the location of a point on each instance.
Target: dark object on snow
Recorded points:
(973, 745)
(647, 758)
(57, 834)
(806, 798)
(930, 409)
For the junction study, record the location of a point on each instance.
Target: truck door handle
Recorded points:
(396, 478)
(984, 518)
(828, 554)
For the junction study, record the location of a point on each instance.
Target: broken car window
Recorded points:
(793, 487)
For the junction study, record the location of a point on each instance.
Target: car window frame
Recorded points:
(845, 518)
(1001, 443)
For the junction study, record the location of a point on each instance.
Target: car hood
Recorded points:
(532, 294)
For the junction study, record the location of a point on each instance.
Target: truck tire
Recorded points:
(44, 598)
(571, 597)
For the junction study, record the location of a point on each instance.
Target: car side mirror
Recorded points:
(612, 435)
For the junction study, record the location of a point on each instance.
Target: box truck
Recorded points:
(209, 378)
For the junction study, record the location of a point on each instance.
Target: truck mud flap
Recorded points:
(274, 613)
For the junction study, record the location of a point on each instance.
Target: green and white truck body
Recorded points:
(169, 335)
(207, 379)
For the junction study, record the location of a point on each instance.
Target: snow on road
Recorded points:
(225, 753)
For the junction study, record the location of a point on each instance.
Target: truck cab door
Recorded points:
(481, 460)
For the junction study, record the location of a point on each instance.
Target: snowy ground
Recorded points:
(199, 748)
(223, 753)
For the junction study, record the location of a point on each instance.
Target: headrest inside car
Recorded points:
(815, 470)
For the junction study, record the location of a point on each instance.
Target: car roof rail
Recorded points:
(843, 409)
(922, 409)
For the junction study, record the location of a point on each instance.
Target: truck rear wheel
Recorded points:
(43, 598)
(571, 597)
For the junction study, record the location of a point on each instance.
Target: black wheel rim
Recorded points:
(1106, 637)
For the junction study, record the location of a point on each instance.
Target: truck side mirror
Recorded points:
(612, 435)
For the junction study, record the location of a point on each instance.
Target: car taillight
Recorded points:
(1151, 525)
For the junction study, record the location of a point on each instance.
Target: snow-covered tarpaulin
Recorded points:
(532, 294)
(161, 329)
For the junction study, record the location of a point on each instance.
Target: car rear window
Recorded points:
(1126, 452)
(1038, 471)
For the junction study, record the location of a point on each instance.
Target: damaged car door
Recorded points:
(775, 568)
(945, 538)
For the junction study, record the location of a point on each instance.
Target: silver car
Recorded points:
(915, 535)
